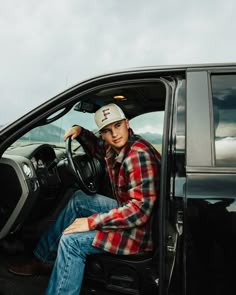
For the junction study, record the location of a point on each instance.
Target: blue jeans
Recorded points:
(68, 252)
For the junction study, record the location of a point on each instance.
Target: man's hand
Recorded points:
(73, 132)
(79, 225)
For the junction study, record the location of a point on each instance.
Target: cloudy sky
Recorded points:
(49, 45)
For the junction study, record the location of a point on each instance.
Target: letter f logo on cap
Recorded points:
(106, 112)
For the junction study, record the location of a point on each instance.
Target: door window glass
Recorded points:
(224, 116)
(150, 127)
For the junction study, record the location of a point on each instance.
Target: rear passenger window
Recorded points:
(224, 111)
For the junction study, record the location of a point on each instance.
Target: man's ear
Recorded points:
(100, 133)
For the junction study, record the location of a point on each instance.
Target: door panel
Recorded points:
(211, 233)
(210, 207)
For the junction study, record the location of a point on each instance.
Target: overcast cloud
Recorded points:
(49, 45)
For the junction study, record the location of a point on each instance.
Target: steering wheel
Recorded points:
(89, 176)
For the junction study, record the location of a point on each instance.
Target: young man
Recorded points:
(98, 224)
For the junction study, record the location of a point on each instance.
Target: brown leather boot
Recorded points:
(33, 267)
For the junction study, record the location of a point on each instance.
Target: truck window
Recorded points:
(150, 127)
(224, 117)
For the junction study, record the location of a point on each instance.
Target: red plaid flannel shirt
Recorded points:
(134, 176)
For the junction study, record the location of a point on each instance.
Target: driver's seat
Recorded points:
(124, 274)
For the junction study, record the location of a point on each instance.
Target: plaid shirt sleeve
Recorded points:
(92, 143)
(139, 172)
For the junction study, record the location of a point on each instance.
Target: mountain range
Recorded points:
(52, 133)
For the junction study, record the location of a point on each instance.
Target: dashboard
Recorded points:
(34, 179)
(29, 176)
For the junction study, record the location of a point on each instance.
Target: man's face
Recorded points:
(116, 134)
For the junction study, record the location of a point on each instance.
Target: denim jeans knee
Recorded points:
(68, 271)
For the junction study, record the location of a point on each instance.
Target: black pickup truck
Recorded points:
(188, 113)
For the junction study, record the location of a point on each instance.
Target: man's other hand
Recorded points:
(79, 225)
(73, 132)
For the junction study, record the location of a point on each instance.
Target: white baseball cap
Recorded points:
(108, 114)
